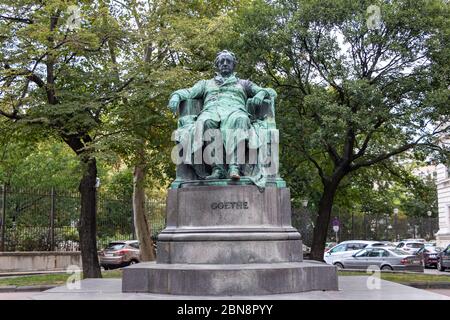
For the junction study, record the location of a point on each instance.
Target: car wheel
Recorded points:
(439, 266)
(132, 262)
(386, 268)
(106, 268)
(339, 265)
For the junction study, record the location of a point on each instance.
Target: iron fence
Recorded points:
(366, 226)
(48, 220)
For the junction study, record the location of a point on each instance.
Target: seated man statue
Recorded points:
(225, 102)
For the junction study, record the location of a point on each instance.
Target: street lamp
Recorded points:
(429, 213)
(353, 222)
(395, 223)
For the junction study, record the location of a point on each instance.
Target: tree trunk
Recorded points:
(141, 225)
(88, 223)
(323, 220)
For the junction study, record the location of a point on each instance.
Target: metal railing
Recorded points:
(367, 226)
(47, 220)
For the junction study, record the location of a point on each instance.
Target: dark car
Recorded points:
(429, 256)
(444, 259)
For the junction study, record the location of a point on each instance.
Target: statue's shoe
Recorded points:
(234, 174)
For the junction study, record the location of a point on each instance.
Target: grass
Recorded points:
(60, 279)
(402, 277)
(49, 279)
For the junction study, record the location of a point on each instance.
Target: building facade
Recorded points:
(443, 194)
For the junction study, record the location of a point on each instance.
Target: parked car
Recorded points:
(346, 249)
(411, 246)
(329, 245)
(120, 254)
(430, 244)
(415, 240)
(306, 251)
(383, 244)
(429, 256)
(444, 259)
(386, 258)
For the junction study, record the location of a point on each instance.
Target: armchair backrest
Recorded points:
(190, 108)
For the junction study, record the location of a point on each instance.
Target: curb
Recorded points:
(427, 285)
(392, 272)
(30, 273)
(38, 288)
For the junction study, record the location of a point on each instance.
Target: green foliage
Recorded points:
(350, 96)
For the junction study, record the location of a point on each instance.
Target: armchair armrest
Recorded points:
(265, 112)
(188, 111)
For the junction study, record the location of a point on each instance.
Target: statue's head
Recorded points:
(225, 62)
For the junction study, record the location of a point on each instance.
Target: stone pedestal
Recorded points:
(229, 240)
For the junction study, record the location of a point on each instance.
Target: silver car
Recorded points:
(120, 254)
(386, 258)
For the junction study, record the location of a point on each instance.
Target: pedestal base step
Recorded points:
(236, 279)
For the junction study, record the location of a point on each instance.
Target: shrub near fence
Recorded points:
(47, 220)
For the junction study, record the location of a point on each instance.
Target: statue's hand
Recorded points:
(259, 98)
(174, 102)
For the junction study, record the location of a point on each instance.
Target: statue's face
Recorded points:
(225, 64)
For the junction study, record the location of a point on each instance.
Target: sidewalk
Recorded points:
(445, 292)
(350, 288)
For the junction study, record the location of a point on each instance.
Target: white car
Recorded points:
(347, 249)
(411, 246)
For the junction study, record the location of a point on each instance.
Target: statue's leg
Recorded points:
(238, 125)
(218, 171)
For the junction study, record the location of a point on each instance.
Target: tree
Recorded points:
(354, 92)
(167, 49)
(54, 78)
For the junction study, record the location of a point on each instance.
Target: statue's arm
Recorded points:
(259, 93)
(194, 92)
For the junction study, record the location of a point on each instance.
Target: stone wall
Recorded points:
(38, 261)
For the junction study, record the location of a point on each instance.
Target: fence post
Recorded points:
(52, 220)
(2, 248)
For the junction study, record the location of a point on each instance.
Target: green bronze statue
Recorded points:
(227, 104)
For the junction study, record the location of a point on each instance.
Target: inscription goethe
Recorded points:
(229, 205)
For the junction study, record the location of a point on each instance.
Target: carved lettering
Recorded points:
(229, 205)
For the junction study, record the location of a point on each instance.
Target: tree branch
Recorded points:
(383, 156)
(16, 19)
